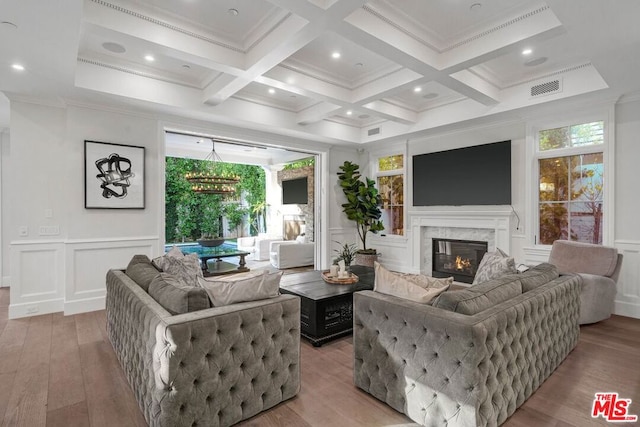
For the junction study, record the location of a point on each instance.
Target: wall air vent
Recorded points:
(373, 131)
(547, 88)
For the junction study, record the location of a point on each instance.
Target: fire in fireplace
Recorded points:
(457, 258)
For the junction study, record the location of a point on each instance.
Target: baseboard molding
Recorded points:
(627, 309)
(35, 308)
(84, 305)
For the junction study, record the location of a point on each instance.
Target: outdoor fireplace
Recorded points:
(457, 258)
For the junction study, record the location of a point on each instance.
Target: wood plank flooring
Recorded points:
(60, 370)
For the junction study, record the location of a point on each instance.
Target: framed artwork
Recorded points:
(113, 176)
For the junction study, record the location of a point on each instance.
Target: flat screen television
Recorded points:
(294, 191)
(478, 175)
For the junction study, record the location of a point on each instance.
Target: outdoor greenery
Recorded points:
(571, 187)
(190, 216)
(309, 161)
(363, 202)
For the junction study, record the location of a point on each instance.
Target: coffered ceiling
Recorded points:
(338, 71)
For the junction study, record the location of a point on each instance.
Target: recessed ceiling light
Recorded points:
(349, 112)
(114, 47)
(430, 95)
(272, 90)
(359, 65)
(149, 58)
(186, 67)
(417, 89)
(527, 51)
(18, 67)
(335, 55)
(536, 61)
(233, 12)
(476, 7)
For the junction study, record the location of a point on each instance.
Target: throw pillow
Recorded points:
(176, 296)
(174, 252)
(494, 265)
(186, 268)
(142, 273)
(410, 287)
(242, 287)
(301, 239)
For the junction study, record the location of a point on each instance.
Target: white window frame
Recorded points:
(376, 173)
(532, 217)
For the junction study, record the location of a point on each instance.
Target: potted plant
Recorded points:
(363, 207)
(346, 253)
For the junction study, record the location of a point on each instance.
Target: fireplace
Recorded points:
(457, 258)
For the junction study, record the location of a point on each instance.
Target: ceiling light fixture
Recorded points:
(349, 112)
(233, 12)
(149, 58)
(475, 7)
(359, 64)
(417, 89)
(335, 55)
(209, 180)
(527, 51)
(272, 90)
(186, 67)
(18, 67)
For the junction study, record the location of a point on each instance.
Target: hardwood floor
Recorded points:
(62, 371)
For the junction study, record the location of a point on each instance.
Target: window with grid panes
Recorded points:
(390, 181)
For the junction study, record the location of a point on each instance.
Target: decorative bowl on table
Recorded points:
(339, 280)
(210, 243)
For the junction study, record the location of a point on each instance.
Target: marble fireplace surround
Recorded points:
(492, 226)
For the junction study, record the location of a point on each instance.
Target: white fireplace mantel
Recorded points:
(498, 220)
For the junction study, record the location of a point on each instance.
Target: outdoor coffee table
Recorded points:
(326, 310)
(218, 267)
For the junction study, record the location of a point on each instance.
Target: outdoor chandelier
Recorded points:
(210, 182)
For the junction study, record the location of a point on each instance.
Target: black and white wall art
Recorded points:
(113, 176)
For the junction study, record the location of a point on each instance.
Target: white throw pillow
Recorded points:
(242, 287)
(494, 265)
(414, 288)
(301, 239)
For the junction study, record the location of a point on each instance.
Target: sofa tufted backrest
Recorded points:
(480, 297)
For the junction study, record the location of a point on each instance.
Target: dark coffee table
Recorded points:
(326, 310)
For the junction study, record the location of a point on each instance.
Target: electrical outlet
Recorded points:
(23, 231)
(48, 213)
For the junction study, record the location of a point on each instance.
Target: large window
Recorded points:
(571, 183)
(390, 180)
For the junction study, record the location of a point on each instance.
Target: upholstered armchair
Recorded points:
(291, 253)
(599, 267)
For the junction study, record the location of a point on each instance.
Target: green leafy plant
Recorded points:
(235, 214)
(363, 202)
(346, 253)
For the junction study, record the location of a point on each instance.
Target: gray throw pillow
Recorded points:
(142, 273)
(186, 268)
(494, 265)
(242, 287)
(176, 296)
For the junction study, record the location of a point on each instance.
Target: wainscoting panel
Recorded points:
(628, 298)
(37, 278)
(87, 263)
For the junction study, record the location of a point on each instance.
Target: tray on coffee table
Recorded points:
(339, 281)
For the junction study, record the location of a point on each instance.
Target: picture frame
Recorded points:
(113, 176)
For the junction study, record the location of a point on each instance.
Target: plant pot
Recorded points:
(210, 243)
(366, 259)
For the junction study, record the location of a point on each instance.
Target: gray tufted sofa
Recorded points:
(212, 367)
(444, 368)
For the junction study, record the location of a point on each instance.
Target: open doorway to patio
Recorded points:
(245, 198)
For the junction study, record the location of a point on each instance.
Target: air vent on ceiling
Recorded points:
(373, 131)
(547, 88)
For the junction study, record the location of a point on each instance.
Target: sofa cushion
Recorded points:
(242, 287)
(186, 268)
(176, 296)
(414, 287)
(142, 272)
(480, 297)
(494, 265)
(174, 252)
(538, 275)
(578, 257)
